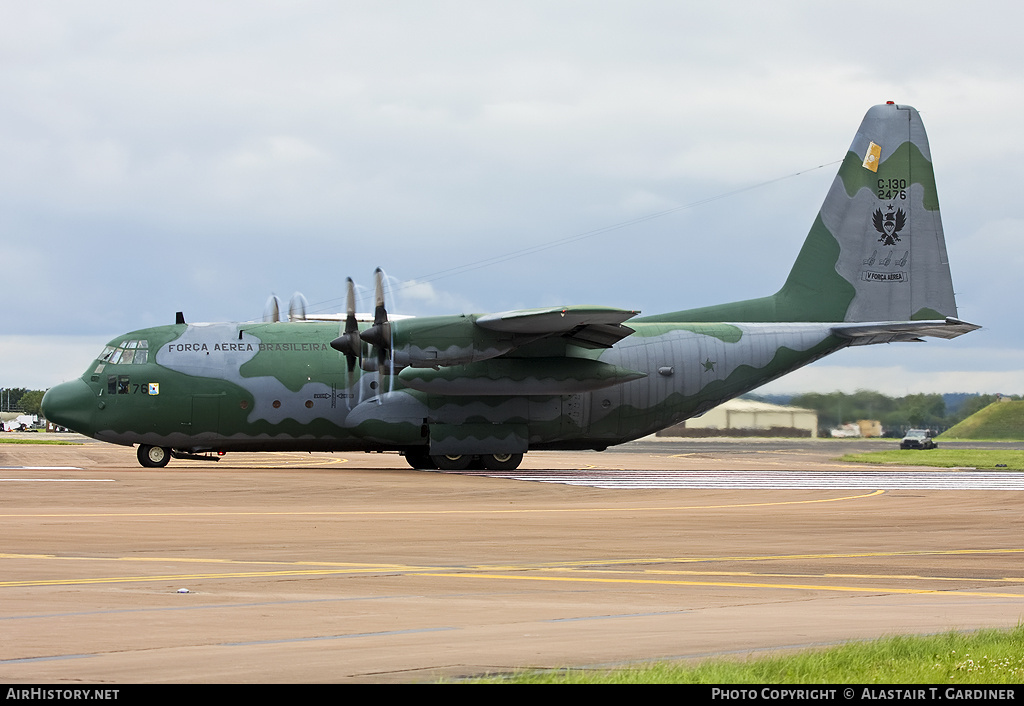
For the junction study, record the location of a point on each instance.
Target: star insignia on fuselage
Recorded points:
(709, 365)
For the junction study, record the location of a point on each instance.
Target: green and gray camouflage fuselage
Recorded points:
(450, 390)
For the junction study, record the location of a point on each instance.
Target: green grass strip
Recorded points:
(996, 459)
(53, 442)
(983, 657)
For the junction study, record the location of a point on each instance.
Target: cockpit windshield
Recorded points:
(127, 352)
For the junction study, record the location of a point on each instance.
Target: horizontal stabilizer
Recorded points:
(893, 331)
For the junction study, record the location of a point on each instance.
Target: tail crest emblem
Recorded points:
(889, 224)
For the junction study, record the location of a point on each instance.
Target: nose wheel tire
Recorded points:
(153, 456)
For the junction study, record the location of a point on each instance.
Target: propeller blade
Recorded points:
(272, 309)
(355, 344)
(379, 334)
(297, 307)
(349, 342)
(351, 325)
(380, 314)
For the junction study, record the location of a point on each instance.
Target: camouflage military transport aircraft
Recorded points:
(452, 391)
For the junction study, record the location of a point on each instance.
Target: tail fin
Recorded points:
(876, 251)
(883, 214)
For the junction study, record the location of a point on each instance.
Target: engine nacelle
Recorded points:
(441, 341)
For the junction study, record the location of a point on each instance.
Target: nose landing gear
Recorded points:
(153, 456)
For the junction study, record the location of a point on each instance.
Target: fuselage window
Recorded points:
(123, 384)
(111, 384)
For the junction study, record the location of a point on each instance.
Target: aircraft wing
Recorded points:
(438, 341)
(468, 355)
(587, 326)
(862, 334)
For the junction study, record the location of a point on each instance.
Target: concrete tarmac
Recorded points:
(355, 568)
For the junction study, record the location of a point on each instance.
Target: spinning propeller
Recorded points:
(379, 335)
(272, 309)
(350, 341)
(296, 308)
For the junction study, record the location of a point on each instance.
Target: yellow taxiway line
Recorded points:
(515, 511)
(523, 571)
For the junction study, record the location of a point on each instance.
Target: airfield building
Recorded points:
(749, 418)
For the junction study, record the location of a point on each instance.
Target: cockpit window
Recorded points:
(126, 353)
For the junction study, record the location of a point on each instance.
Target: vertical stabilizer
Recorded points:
(876, 251)
(883, 213)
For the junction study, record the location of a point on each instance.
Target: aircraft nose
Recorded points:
(71, 404)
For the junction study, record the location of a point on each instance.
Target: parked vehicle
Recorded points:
(918, 439)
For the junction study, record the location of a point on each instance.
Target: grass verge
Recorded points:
(983, 657)
(54, 442)
(945, 458)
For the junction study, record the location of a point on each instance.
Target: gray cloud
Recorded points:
(198, 156)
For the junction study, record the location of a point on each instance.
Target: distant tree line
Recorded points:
(20, 399)
(897, 414)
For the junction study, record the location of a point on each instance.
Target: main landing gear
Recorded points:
(421, 460)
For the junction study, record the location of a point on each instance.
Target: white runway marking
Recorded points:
(773, 480)
(40, 468)
(56, 480)
(49, 480)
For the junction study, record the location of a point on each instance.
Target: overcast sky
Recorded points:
(198, 156)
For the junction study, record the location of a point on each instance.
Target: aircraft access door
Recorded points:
(205, 415)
